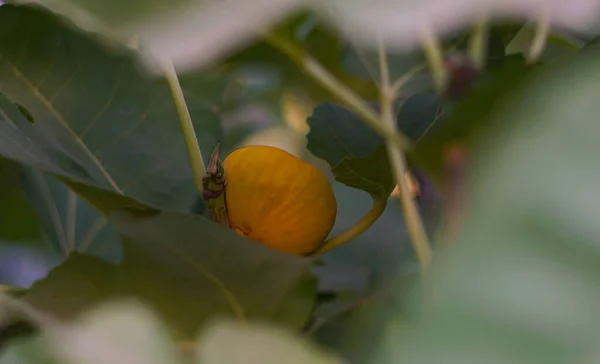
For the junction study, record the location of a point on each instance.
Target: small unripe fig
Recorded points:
(277, 199)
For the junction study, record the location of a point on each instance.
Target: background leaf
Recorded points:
(70, 223)
(187, 269)
(356, 154)
(25, 255)
(96, 120)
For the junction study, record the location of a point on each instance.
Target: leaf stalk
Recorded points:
(187, 127)
(412, 217)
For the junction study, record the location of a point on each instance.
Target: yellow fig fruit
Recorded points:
(277, 199)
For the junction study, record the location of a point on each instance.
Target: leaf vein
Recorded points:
(64, 123)
(236, 307)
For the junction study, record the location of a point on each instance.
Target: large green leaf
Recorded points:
(70, 222)
(95, 119)
(520, 285)
(187, 270)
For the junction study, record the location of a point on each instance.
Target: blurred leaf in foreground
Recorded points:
(400, 24)
(28, 351)
(187, 269)
(521, 283)
(121, 332)
(256, 343)
(467, 121)
(198, 32)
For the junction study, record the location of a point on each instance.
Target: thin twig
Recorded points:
(478, 44)
(400, 82)
(412, 217)
(348, 97)
(435, 58)
(187, 126)
(542, 31)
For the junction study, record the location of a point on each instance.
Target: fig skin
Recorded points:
(278, 200)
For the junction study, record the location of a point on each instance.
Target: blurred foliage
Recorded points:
(98, 204)
(532, 242)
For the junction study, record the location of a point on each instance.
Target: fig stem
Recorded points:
(214, 183)
(187, 127)
(349, 98)
(412, 217)
(361, 226)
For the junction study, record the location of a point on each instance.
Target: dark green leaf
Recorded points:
(188, 269)
(17, 220)
(420, 114)
(371, 174)
(356, 154)
(97, 120)
(70, 222)
(520, 285)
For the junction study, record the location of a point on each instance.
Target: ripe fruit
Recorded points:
(278, 199)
